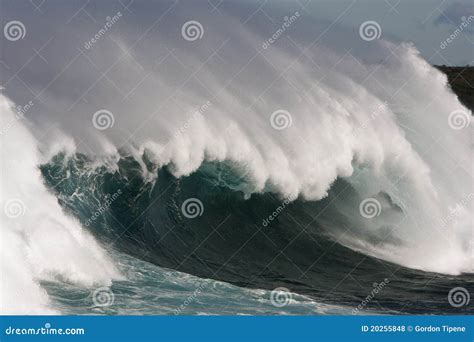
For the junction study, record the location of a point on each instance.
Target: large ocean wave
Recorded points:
(404, 155)
(294, 187)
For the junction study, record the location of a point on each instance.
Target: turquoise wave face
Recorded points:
(232, 244)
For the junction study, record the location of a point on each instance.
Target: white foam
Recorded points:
(382, 126)
(39, 241)
(393, 130)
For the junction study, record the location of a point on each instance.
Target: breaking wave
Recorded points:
(363, 157)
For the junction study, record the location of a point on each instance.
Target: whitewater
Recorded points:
(382, 128)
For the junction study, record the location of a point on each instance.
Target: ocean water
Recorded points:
(262, 182)
(227, 259)
(152, 290)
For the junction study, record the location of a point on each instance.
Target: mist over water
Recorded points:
(377, 118)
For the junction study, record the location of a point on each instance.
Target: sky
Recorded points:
(59, 59)
(426, 23)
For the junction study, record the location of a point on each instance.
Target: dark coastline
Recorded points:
(461, 80)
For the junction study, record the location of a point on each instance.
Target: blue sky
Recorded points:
(427, 23)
